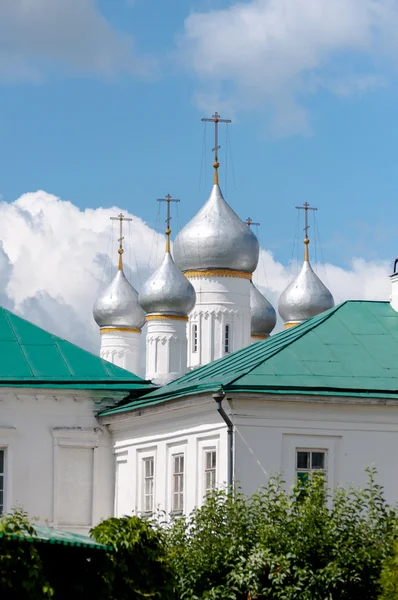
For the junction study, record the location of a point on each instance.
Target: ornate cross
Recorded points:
(306, 207)
(168, 199)
(120, 218)
(250, 222)
(216, 120)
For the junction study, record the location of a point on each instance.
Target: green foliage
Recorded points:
(33, 570)
(139, 566)
(309, 544)
(21, 569)
(389, 577)
(306, 544)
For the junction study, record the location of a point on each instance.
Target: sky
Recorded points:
(100, 111)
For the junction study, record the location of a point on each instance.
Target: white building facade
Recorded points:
(169, 457)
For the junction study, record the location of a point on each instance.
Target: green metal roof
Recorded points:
(351, 349)
(32, 357)
(47, 535)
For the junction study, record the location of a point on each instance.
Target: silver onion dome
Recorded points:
(118, 306)
(305, 297)
(216, 238)
(263, 315)
(167, 291)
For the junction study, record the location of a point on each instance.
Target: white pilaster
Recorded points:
(166, 348)
(121, 346)
(221, 300)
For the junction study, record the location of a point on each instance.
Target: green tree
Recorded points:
(22, 574)
(139, 566)
(308, 544)
(389, 577)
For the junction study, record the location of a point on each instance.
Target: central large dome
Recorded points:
(216, 238)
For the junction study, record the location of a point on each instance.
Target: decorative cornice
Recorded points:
(217, 273)
(118, 329)
(260, 336)
(166, 318)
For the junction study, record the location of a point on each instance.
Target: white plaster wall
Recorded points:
(166, 349)
(56, 452)
(219, 301)
(122, 348)
(354, 435)
(161, 433)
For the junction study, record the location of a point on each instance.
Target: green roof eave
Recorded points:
(77, 385)
(348, 393)
(47, 535)
(145, 401)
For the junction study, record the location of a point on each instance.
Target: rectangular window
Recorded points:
(194, 338)
(148, 483)
(227, 340)
(308, 462)
(210, 470)
(2, 476)
(178, 483)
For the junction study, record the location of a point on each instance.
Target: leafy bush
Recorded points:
(308, 544)
(139, 566)
(389, 577)
(21, 568)
(135, 568)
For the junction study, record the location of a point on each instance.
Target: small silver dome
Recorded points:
(216, 238)
(263, 313)
(167, 291)
(118, 306)
(305, 297)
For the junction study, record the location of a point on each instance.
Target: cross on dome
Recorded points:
(306, 207)
(120, 218)
(216, 120)
(168, 199)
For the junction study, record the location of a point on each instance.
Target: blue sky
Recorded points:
(312, 121)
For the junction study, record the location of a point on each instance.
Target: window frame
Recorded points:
(310, 470)
(144, 479)
(142, 453)
(212, 469)
(179, 506)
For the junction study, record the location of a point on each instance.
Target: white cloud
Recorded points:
(273, 52)
(37, 35)
(52, 258)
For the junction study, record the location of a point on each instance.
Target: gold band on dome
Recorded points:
(291, 324)
(260, 336)
(166, 318)
(218, 273)
(116, 329)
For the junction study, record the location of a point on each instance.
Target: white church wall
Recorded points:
(121, 346)
(58, 460)
(352, 435)
(220, 301)
(162, 435)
